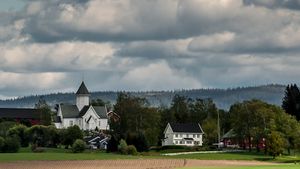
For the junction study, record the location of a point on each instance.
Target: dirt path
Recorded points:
(125, 164)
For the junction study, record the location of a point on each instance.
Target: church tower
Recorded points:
(82, 97)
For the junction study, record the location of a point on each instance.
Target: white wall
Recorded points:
(168, 136)
(82, 100)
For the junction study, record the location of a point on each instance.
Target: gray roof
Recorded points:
(101, 111)
(82, 89)
(69, 111)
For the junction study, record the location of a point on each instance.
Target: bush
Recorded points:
(131, 150)
(122, 147)
(12, 145)
(78, 146)
(138, 140)
(71, 134)
(2, 143)
(19, 131)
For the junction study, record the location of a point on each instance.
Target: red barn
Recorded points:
(21, 114)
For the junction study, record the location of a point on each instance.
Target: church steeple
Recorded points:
(82, 89)
(82, 96)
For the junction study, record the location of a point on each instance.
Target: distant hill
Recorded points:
(222, 97)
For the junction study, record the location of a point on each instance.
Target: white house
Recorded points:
(84, 115)
(188, 134)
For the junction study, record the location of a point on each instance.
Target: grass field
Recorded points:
(284, 166)
(25, 154)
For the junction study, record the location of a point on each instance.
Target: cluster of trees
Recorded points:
(254, 120)
(37, 136)
(143, 126)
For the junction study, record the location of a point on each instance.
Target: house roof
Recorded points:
(22, 113)
(82, 89)
(186, 127)
(69, 111)
(101, 111)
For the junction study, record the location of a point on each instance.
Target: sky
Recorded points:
(138, 45)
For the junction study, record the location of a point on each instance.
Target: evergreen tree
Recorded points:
(291, 101)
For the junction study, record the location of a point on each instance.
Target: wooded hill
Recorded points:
(223, 98)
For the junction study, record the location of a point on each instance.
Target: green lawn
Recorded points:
(282, 166)
(25, 154)
(226, 156)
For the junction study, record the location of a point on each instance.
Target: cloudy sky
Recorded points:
(48, 46)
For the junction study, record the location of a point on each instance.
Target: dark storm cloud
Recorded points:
(289, 4)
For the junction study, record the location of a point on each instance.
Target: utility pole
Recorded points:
(219, 137)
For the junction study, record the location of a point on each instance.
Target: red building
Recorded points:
(21, 114)
(231, 140)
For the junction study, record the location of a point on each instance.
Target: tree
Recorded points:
(251, 120)
(275, 143)
(98, 102)
(211, 131)
(291, 101)
(19, 131)
(71, 134)
(136, 117)
(45, 111)
(180, 109)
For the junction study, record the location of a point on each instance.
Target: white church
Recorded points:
(84, 115)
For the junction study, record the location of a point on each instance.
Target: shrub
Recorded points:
(2, 143)
(138, 140)
(71, 134)
(112, 145)
(19, 131)
(122, 147)
(131, 150)
(78, 146)
(12, 145)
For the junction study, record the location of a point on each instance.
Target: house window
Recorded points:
(181, 142)
(71, 122)
(99, 123)
(176, 142)
(194, 135)
(188, 142)
(181, 135)
(198, 135)
(196, 142)
(176, 135)
(187, 135)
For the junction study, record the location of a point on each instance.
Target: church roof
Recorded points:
(82, 89)
(101, 111)
(69, 111)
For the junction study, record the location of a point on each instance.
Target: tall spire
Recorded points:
(82, 89)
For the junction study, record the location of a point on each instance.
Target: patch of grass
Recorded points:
(226, 156)
(289, 166)
(6, 157)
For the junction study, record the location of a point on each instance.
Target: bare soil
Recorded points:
(125, 164)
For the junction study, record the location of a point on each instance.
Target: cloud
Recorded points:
(289, 4)
(148, 45)
(158, 76)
